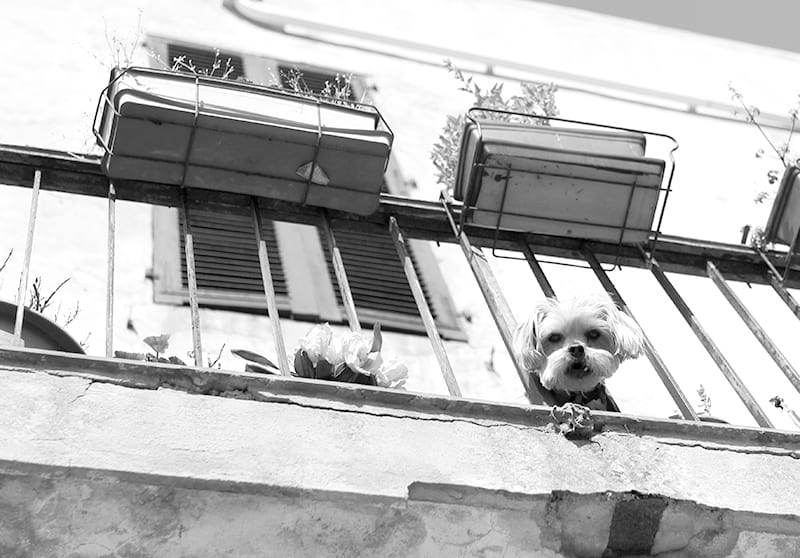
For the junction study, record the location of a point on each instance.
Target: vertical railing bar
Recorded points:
(191, 279)
(341, 274)
(537, 270)
(759, 333)
(498, 307)
(705, 339)
(26, 262)
(269, 290)
(424, 309)
(112, 225)
(652, 355)
(777, 285)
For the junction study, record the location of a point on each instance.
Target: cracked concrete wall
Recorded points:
(127, 472)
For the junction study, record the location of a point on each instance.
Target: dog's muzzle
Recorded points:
(577, 367)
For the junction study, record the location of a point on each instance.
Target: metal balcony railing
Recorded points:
(403, 218)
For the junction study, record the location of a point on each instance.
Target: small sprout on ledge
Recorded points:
(215, 363)
(705, 400)
(780, 403)
(159, 344)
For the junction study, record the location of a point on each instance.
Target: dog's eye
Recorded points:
(592, 335)
(555, 337)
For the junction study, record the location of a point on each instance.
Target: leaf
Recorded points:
(250, 367)
(324, 370)
(129, 356)
(254, 357)
(302, 365)
(349, 376)
(175, 360)
(159, 343)
(377, 338)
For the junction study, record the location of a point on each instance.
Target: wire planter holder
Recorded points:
(568, 173)
(173, 128)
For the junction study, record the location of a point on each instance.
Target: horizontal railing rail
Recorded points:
(401, 218)
(425, 220)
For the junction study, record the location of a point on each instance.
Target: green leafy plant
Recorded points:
(535, 99)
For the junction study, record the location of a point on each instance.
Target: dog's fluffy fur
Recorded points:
(576, 344)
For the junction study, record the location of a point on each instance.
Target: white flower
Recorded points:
(356, 349)
(348, 351)
(334, 352)
(317, 344)
(392, 373)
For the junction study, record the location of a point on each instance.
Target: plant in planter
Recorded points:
(350, 357)
(198, 130)
(512, 170)
(536, 98)
(783, 158)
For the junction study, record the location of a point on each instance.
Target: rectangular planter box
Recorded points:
(593, 184)
(184, 130)
(783, 224)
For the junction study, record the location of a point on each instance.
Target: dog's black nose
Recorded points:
(576, 350)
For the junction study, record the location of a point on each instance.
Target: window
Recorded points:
(228, 274)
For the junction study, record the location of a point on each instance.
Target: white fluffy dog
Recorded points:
(576, 344)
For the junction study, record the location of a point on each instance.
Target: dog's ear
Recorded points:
(627, 333)
(526, 343)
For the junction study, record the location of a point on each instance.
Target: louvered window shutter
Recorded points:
(376, 277)
(226, 255)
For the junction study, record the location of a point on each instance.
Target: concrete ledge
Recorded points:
(259, 387)
(106, 439)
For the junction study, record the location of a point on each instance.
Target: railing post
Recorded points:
(26, 263)
(112, 196)
(759, 333)
(341, 274)
(537, 270)
(269, 290)
(722, 363)
(777, 284)
(191, 279)
(424, 310)
(660, 367)
(498, 307)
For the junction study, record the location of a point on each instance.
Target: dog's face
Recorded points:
(576, 344)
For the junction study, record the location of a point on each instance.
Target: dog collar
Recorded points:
(597, 399)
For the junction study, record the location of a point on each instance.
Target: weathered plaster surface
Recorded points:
(353, 448)
(78, 513)
(95, 469)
